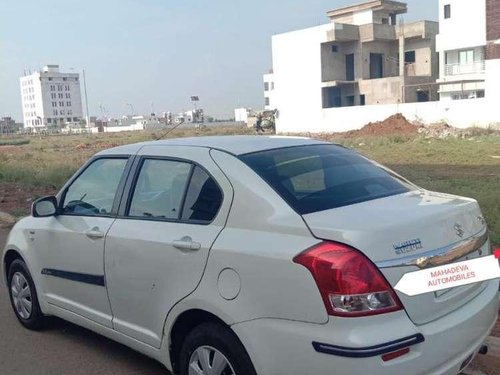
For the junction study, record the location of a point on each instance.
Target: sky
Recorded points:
(155, 54)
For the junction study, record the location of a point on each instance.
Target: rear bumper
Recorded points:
(279, 347)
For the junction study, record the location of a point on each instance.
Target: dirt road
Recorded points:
(63, 348)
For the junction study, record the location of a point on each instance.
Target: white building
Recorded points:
(462, 49)
(50, 98)
(362, 57)
(241, 114)
(467, 46)
(269, 91)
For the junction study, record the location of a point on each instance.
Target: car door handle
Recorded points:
(186, 243)
(94, 233)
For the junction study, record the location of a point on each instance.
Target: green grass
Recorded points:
(14, 142)
(457, 166)
(453, 165)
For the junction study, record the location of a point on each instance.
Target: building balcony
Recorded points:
(458, 69)
(375, 31)
(342, 32)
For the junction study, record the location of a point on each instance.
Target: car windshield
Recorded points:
(320, 177)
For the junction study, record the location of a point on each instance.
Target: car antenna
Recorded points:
(170, 130)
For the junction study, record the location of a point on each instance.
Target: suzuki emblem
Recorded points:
(458, 230)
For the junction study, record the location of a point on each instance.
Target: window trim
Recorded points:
(119, 189)
(128, 193)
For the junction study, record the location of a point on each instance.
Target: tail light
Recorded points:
(349, 283)
(496, 252)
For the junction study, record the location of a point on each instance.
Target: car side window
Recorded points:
(160, 188)
(93, 192)
(203, 198)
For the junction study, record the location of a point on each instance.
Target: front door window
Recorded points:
(93, 192)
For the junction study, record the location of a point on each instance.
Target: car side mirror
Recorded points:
(44, 207)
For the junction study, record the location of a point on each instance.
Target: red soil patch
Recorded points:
(395, 125)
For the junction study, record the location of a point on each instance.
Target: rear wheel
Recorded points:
(212, 349)
(23, 297)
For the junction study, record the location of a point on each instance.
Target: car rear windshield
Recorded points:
(320, 177)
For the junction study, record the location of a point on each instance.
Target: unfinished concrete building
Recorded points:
(364, 56)
(369, 59)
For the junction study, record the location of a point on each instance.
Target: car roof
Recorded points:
(233, 144)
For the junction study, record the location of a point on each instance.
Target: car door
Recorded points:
(156, 251)
(70, 245)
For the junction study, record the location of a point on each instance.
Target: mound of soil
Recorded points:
(394, 125)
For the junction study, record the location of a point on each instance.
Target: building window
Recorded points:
(272, 86)
(332, 97)
(335, 48)
(266, 86)
(69, 119)
(362, 100)
(349, 100)
(385, 21)
(410, 57)
(50, 78)
(68, 104)
(393, 19)
(423, 96)
(267, 101)
(466, 57)
(376, 65)
(49, 121)
(59, 87)
(447, 11)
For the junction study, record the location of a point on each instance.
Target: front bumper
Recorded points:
(283, 347)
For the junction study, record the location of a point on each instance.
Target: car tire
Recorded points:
(23, 297)
(214, 340)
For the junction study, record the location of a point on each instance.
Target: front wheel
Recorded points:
(23, 297)
(212, 349)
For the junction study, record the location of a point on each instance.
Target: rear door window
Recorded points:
(320, 177)
(160, 189)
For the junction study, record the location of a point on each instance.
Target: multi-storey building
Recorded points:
(467, 52)
(462, 49)
(50, 98)
(269, 91)
(8, 125)
(363, 56)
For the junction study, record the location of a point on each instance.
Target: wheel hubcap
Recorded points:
(209, 361)
(21, 295)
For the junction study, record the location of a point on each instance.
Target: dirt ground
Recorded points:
(393, 125)
(16, 198)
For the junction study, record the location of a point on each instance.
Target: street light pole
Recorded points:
(86, 100)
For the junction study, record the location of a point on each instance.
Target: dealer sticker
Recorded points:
(450, 275)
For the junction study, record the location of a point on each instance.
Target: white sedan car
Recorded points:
(254, 255)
